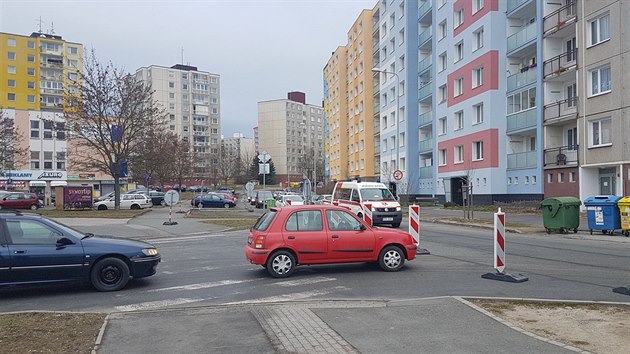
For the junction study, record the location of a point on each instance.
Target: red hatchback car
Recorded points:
(19, 200)
(286, 237)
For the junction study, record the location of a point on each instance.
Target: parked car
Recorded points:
(157, 198)
(20, 200)
(289, 200)
(64, 254)
(127, 201)
(212, 200)
(325, 199)
(261, 198)
(283, 238)
(225, 189)
(180, 189)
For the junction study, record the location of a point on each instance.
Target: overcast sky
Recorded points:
(261, 48)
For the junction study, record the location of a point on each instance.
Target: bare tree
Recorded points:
(11, 154)
(108, 118)
(183, 160)
(227, 165)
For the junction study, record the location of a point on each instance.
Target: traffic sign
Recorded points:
(171, 197)
(264, 157)
(398, 175)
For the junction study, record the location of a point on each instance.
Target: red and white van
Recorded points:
(354, 195)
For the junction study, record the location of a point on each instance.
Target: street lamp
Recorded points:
(377, 70)
(286, 148)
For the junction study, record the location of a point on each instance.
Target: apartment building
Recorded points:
(239, 147)
(349, 103)
(398, 87)
(586, 116)
(35, 71)
(191, 99)
(292, 132)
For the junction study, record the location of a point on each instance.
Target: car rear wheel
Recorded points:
(109, 274)
(162, 202)
(281, 264)
(226, 206)
(102, 207)
(135, 206)
(391, 258)
(34, 207)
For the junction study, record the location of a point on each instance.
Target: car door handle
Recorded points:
(19, 251)
(291, 237)
(335, 236)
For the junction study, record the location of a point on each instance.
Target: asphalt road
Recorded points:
(204, 266)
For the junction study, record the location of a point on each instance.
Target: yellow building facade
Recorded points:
(336, 111)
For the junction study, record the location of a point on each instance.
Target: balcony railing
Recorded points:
(424, 37)
(561, 156)
(425, 118)
(424, 64)
(426, 172)
(521, 160)
(513, 4)
(560, 18)
(425, 90)
(424, 9)
(562, 109)
(52, 91)
(521, 79)
(425, 145)
(560, 64)
(521, 37)
(521, 120)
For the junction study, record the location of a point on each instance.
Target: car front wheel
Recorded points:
(391, 259)
(109, 274)
(34, 207)
(281, 264)
(226, 206)
(102, 207)
(162, 202)
(135, 207)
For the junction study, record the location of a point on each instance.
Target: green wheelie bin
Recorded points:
(561, 214)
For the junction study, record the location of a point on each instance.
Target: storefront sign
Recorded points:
(34, 175)
(77, 197)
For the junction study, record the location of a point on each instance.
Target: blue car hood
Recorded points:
(114, 241)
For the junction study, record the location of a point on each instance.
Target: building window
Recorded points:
(35, 160)
(459, 154)
(521, 101)
(171, 85)
(459, 51)
(11, 83)
(442, 30)
(600, 132)
(458, 88)
(11, 69)
(48, 163)
(442, 157)
(30, 71)
(171, 106)
(401, 139)
(30, 98)
(572, 177)
(443, 93)
(31, 45)
(74, 50)
(401, 37)
(72, 76)
(442, 62)
(561, 177)
(478, 39)
(550, 178)
(11, 42)
(509, 181)
(34, 129)
(458, 17)
(401, 60)
(534, 179)
(171, 95)
(477, 5)
(515, 180)
(30, 58)
(459, 120)
(572, 142)
(526, 179)
(11, 55)
(477, 77)
(478, 113)
(600, 80)
(477, 150)
(600, 29)
(10, 96)
(442, 126)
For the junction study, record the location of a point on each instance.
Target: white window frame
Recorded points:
(458, 18)
(442, 30)
(598, 25)
(600, 132)
(443, 91)
(477, 5)
(477, 147)
(477, 76)
(442, 62)
(442, 126)
(459, 120)
(458, 154)
(458, 87)
(600, 85)
(478, 39)
(478, 113)
(442, 161)
(459, 51)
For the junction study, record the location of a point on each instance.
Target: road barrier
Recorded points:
(499, 253)
(367, 214)
(414, 227)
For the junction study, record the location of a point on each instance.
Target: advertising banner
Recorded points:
(77, 197)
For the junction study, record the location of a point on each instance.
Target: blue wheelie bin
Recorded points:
(603, 213)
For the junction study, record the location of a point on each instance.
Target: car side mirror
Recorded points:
(363, 228)
(64, 241)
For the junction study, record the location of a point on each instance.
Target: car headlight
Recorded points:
(150, 251)
(398, 208)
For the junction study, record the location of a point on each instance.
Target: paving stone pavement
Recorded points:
(296, 329)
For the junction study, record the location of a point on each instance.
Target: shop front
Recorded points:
(35, 181)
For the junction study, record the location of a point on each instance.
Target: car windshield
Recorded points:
(265, 195)
(376, 194)
(264, 221)
(67, 229)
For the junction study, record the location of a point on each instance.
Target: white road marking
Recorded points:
(289, 297)
(306, 281)
(149, 305)
(182, 239)
(198, 286)
(167, 272)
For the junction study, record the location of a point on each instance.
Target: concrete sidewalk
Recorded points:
(437, 325)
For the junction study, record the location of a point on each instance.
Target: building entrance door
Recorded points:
(607, 181)
(457, 195)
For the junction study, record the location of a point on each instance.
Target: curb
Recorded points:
(101, 333)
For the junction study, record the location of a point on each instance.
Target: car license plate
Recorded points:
(388, 219)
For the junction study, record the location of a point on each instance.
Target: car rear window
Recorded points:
(264, 221)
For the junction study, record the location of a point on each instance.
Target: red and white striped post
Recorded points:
(499, 241)
(499, 253)
(414, 222)
(367, 214)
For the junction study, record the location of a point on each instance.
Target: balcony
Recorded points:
(49, 91)
(521, 120)
(521, 38)
(52, 65)
(563, 156)
(425, 37)
(58, 50)
(425, 64)
(425, 145)
(425, 91)
(424, 9)
(425, 118)
(524, 78)
(426, 172)
(521, 160)
(560, 64)
(561, 111)
(560, 19)
(514, 4)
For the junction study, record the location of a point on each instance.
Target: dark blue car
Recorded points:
(37, 250)
(212, 201)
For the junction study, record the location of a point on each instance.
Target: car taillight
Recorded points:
(259, 241)
(288, 201)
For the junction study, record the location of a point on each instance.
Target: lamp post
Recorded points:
(286, 148)
(377, 70)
